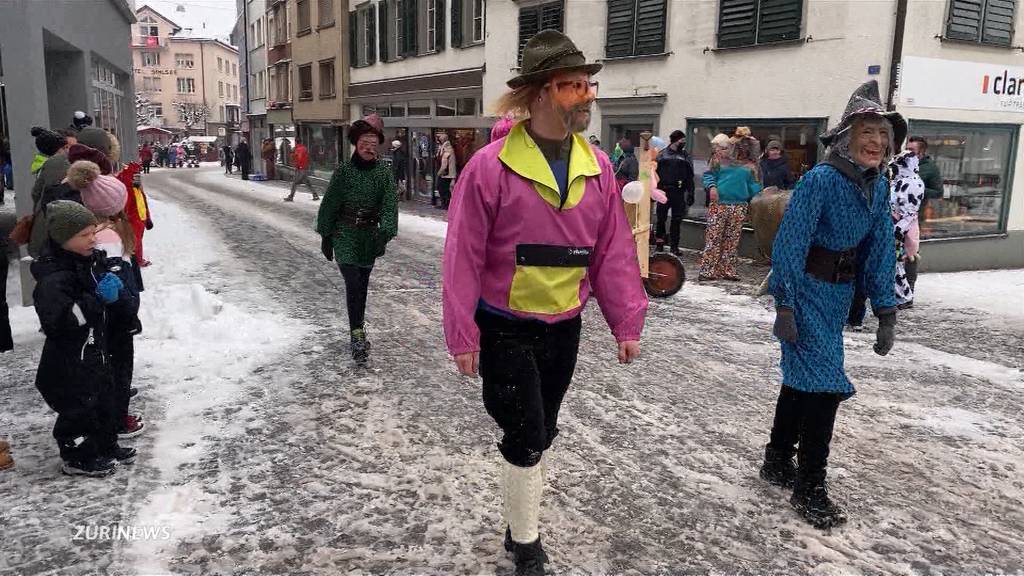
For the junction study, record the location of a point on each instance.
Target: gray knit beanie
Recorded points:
(65, 219)
(95, 138)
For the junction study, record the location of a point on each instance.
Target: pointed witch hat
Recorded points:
(866, 101)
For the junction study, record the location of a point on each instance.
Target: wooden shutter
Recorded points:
(529, 25)
(552, 17)
(384, 36)
(650, 26)
(964, 21)
(779, 20)
(410, 44)
(353, 42)
(457, 25)
(621, 21)
(737, 23)
(371, 34)
(997, 27)
(439, 23)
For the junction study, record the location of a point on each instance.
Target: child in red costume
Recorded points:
(137, 207)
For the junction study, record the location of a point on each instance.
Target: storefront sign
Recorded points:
(157, 71)
(934, 83)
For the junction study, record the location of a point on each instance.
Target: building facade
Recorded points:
(785, 69)
(191, 84)
(58, 57)
(250, 36)
(419, 64)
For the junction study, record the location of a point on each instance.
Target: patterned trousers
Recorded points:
(725, 225)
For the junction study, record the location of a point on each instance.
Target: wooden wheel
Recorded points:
(665, 276)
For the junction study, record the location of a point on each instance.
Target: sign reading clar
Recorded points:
(935, 83)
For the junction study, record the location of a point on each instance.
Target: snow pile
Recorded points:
(996, 292)
(195, 352)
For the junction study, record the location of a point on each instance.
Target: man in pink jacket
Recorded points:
(536, 226)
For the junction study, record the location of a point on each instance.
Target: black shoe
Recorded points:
(123, 455)
(778, 468)
(906, 305)
(95, 467)
(510, 546)
(133, 392)
(813, 503)
(360, 346)
(529, 558)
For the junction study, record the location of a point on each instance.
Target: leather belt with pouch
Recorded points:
(834, 266)
(360, 217)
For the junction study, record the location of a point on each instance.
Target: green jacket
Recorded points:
(929, 173)
(353, 188)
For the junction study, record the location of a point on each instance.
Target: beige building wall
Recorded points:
(324, 41)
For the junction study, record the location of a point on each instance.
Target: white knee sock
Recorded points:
(521, 491)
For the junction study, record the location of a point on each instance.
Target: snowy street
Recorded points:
(268, 452)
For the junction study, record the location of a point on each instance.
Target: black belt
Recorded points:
(360, 217)
(834, 266)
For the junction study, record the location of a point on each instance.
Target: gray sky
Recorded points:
(218, 15)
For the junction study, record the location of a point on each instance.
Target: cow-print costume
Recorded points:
(906, 192)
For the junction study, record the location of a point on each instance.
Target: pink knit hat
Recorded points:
(105, 196)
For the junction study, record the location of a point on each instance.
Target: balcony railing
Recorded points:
(149, 42)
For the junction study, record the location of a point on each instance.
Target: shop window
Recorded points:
(533, 19)
(466, 107)
(635, 27)
(753, 22)
(419, 109)
(974, 162)
(445, 108)
(362, 41)
(184, 61)
(327, 88)
(982, 21)
(367, 110)
(306, 82)
(302, 16)
(799, 139)
(325, 13)
(397, 110)
(150, 58)
(468, 18)
(321, 142)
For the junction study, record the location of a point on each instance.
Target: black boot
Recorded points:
(811, 500)
(529, 558)
(779, 468)
(360, 346)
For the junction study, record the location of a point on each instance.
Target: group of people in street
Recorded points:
(238, 157)
(84, 240)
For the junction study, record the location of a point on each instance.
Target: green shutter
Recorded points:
(779, 20)
(997, 27)
(410, 42)
(621, 21)
(650, 26)
(439, 23)
(529, 25)
(353, 46)
(964, 21)
(371, 34)
(552, 17)
(737, 23)
(457, 41)
(384, 36)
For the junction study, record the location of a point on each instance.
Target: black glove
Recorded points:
(327, 248)
(886, 335)
(689, 198)
(785, 324)
(149, 224)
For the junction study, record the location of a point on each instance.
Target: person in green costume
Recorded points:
(357, 219)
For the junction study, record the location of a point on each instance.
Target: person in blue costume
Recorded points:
(837, 231)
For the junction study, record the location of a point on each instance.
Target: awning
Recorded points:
(152, 129)
(201, 139)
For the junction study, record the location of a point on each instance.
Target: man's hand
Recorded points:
(629, 351)
(327, 248)
(468, 363)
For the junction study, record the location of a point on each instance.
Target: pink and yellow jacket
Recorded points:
(511, 246)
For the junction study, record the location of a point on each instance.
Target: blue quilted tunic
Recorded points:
(831, 210)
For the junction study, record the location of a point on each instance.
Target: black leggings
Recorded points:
(357, 284)
(526, 368)
(807, 419)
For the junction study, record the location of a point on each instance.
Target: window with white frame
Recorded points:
(150, 58)
(186, 85)
(220, 89)
(184, 60)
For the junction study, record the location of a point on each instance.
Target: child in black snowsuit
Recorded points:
(71, 297)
